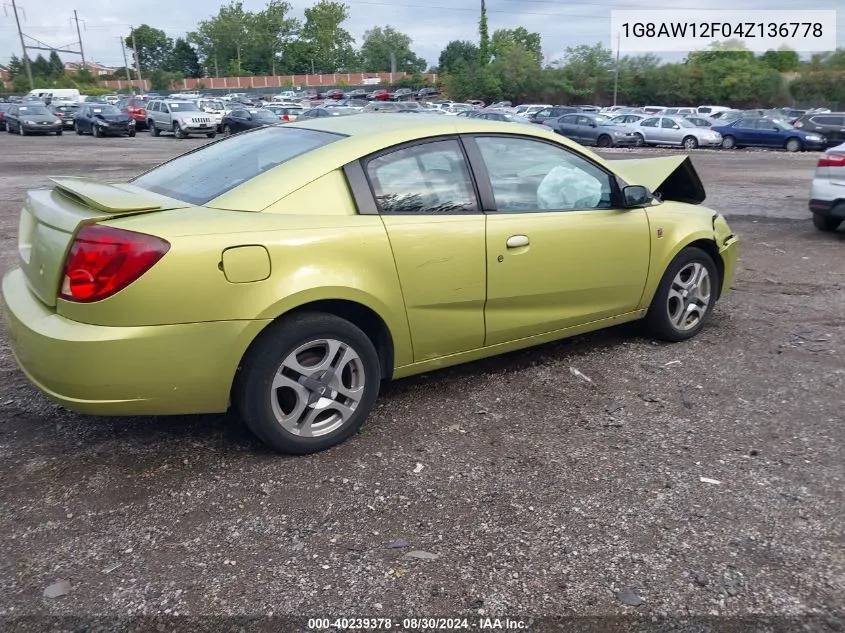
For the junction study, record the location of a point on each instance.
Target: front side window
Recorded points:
(429, 178)
(650, 122)
(668, 124)
(529, 175)
(209, 172)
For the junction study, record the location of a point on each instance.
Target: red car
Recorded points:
(136, 108)
(379, 95)
(334, 94)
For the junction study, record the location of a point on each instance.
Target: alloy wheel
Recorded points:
(317, 388)
(689, 296)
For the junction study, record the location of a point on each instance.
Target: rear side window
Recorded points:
(828, 119)
(211, 171)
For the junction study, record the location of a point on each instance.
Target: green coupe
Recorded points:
(288, 270)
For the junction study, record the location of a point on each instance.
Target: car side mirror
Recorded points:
(593, 125)
(676, 127)
(636, 196)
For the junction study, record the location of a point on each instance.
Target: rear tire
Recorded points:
(153, 129)
(77, 129)
(336, 356)
(685, 297)
(826, 223)
(728, 142)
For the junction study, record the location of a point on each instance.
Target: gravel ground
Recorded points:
(528, 490)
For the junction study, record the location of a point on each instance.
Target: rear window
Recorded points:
(211, 171)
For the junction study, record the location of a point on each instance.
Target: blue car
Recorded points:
(767, 132)
(102, 119)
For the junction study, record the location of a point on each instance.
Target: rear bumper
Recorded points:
(100, 370)
(833, 209)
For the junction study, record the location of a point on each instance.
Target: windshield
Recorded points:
(213, 105)
(67, 108)
(183, 106)
(33, 110)
(202, 175)
(105, 109)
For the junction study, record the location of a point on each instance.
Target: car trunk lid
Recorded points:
(669, 177)
(51, 217)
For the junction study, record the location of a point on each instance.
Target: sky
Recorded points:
(431, 24)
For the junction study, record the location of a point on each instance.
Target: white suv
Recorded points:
(179, 117)
(827, 194)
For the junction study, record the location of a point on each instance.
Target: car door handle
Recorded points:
(516, 241)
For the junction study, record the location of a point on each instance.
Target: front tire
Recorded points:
(640, 139)
(308, 383)
(690, 142)
(131, 133)
(178, 132)
(794, 145)
(604, 141)
(21, 131)
(227, 131)
(826, 223)
(685, 297)
(59, 133)
(729, 142)
(211, 135)
(95, 130)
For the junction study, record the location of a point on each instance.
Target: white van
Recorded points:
(69, 94)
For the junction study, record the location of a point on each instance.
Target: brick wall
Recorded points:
(271, 83)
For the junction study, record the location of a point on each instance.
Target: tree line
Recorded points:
(508, 64)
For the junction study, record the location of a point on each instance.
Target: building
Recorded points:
(98, 70)
(5, 80)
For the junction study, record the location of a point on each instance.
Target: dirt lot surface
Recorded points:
(535, 491)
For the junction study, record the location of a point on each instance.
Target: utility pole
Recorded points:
(79, 36)
(137, 63)
(125, 63)
(23, 46)
(616, 71)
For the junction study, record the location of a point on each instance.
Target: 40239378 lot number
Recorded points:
(418, 624)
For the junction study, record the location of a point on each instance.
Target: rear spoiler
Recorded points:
(113, 199)
(668, 177)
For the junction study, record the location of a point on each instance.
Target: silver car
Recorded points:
(827, 194)
(665, 130)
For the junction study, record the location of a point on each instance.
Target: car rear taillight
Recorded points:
(285, 117)
(831, 160)
(798, 124)
(104, 260)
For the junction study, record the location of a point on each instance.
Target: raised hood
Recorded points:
(669, 177)
(51, 217)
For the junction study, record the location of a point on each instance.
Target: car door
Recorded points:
(558, 253)
(426, 199)
(768, 134)
(745, 132)
(670, 132)
(588, 130)
(568, 126)
(649, 129)
(12, 119)
(832, 127)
